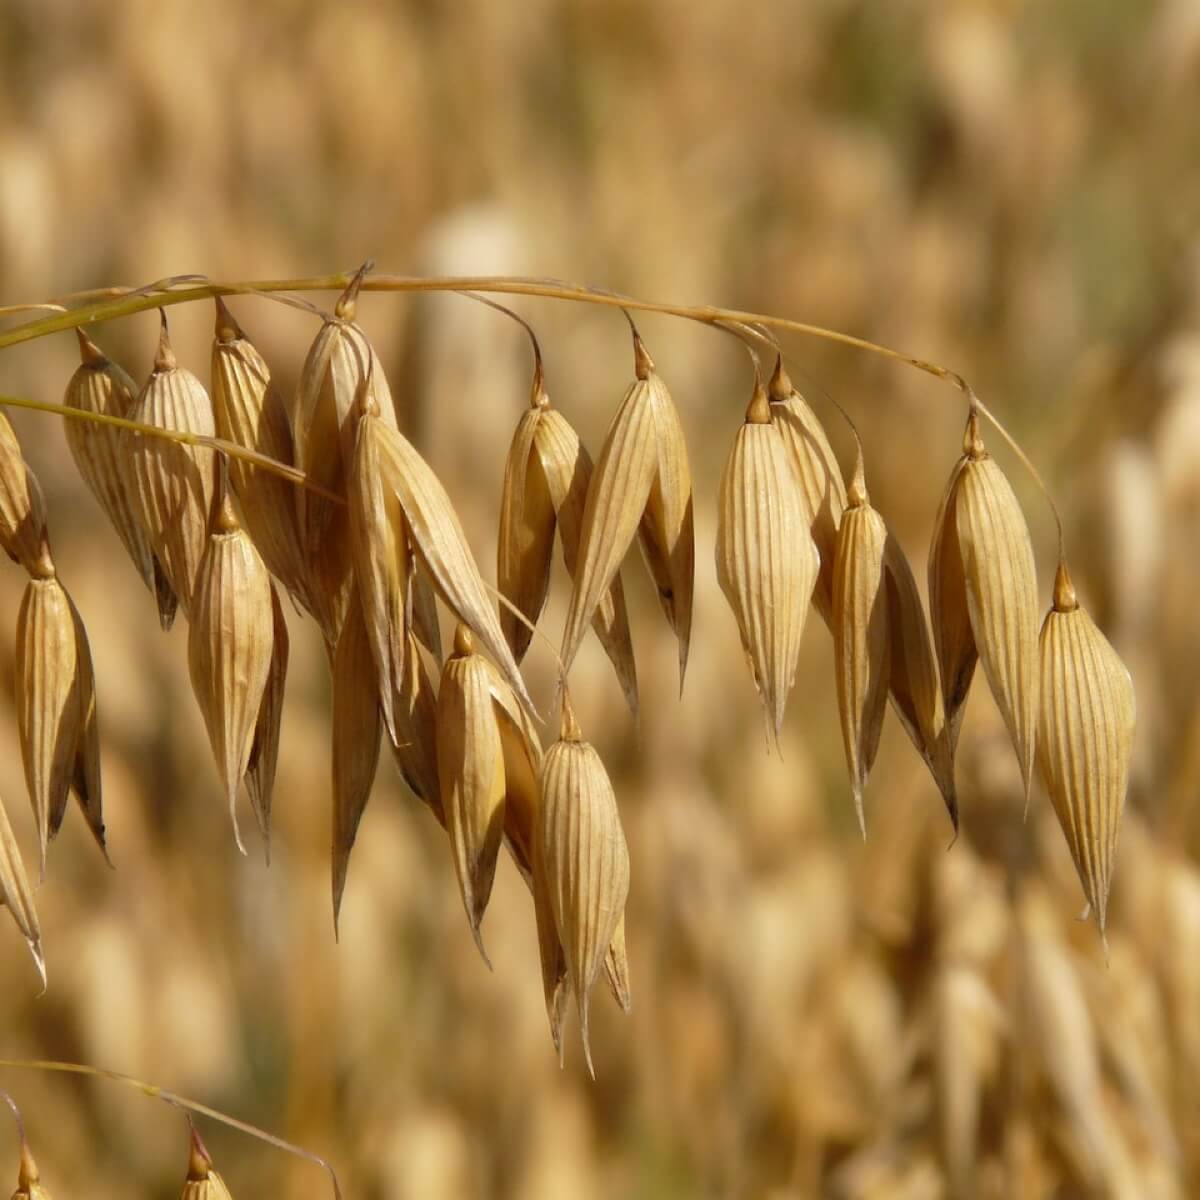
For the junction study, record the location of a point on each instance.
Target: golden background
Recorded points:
(1006, 188)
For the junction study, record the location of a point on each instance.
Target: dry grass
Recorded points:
(987, 207)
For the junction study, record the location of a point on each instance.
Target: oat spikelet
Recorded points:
(173, 483)
(414, 707)
(230, 647)
(816, 467)
(585, 859)
(1085, 738)
(471, 769)
(250, 412)
(22, 509)
(16, 893)
(641, 483)
(527, 520)
(766, 561)
(914, 682)
(441, 549)
(100, 453)
(203, 1182)
(567, 467)
(48, 700)
(1001, 590)
(264, 750)
(667, 532)
(861, 646)
(357, 730)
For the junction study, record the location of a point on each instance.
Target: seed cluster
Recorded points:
(372, 544)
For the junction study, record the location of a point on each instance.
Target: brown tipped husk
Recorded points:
(585, 861)
(1085, 738)
(616, 500)
(441, 548)
(16, 893)
(172, 484)
(766, 561)
(526, 539)
(667, 530)
(99, 451)
(914, 683)
(819, 475)
(48, 694)
(568, 470)
(230, 647)
(85, 778)
(264, 751)
(471, 770)
(862, 653)
(1001, 589)
(250, 412)
(357, 731)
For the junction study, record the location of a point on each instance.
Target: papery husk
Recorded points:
(48, 701)
(1085, 738)
(203, 1182)
(264, 750)
(85, 778)
(953, 638)
(23, 534)
(230, 643)
(556, 987)
(471, 770)
(667, 530)
(1001, 591)
(862, 650)
(414, 707)
(16, 893)
(172, 484)
(250, 412)
(585, 859)
(357, 731)
(767, 563)
(567, 468)
(820, 477)
(914, 681)
(616, 502)
(383, 565)
(101, 455)
(441, 549)
(526, 538)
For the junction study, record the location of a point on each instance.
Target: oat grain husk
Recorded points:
(818, 473)
(48, 701)
(230, 643)
(585, 859)
(1085, 738)
(22, 510)
(357, 732)
(171, 483)
(414, 708)
(250, 412)
(767, 562)
(567, 468)
(264, 750)
(100, 454)
(862, 648)
(16, 893)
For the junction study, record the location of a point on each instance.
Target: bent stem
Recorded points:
(180, 1102)
(181, 437)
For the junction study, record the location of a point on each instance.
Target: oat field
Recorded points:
(839, 839)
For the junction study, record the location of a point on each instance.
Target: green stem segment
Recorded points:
(182, 1102)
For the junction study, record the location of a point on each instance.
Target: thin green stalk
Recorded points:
(178, 1101)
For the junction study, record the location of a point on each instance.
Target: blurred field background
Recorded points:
(1007, 188)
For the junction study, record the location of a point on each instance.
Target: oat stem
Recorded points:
(182, 1102)
(182, 437)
